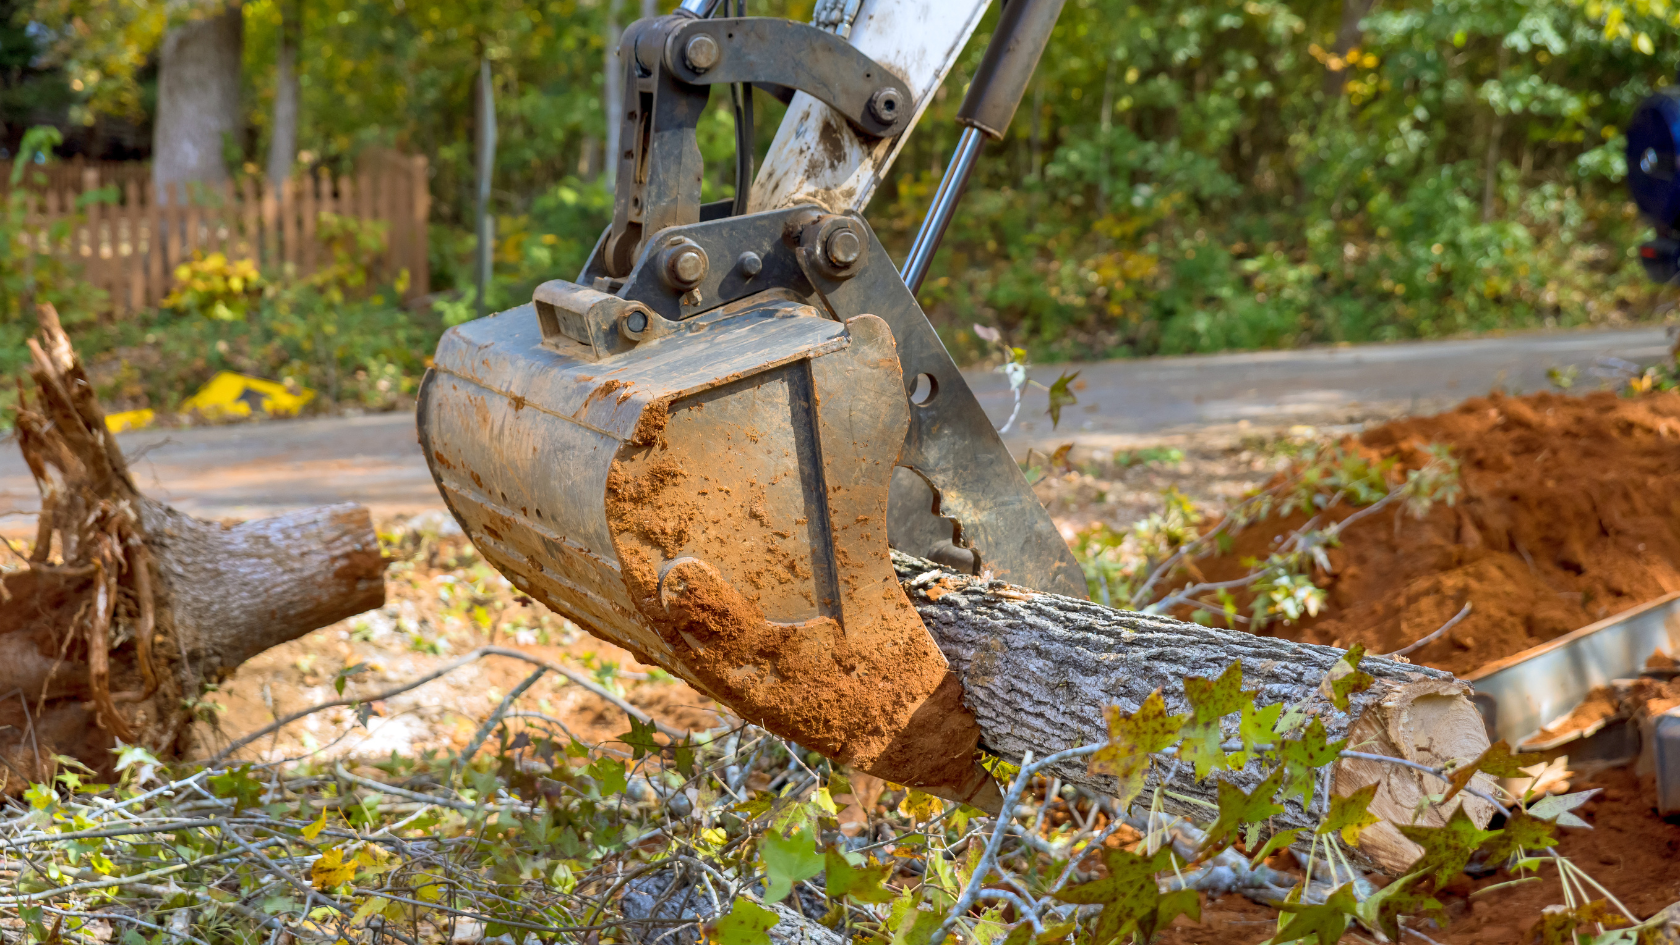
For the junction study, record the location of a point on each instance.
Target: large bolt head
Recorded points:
(843, 247)
(685, 266)
(701, 53)
(884, 106)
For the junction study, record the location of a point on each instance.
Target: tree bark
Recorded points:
(198, 99)
(1348, 36)
(1039, 670)
(282, 141)
(126, 607)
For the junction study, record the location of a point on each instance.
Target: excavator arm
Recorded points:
(702, 448)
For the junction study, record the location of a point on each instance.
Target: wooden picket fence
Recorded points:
(131, 248)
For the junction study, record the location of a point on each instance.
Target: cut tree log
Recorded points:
(1039, 670)
(126, 608)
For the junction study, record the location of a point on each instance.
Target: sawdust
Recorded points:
(1570, 512)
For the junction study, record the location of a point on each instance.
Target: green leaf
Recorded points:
(1128, 894)
(683, 757)
(787, 860)
(1302, 757)
(1350, 815)
(1446, 849)
(861, 882)
(1346, 678)
(1326, 921)
(1132, 739)
(1522, 833)
(1211, 700)
(1237, 808)
(1061, 395)
(238, 784)
(1497, 761)
(1179, 902)
(1276, 842)
(1557, 807)
(1258, 726)
(344, 675)
(1383, 908)
(747, 923)
(640, 738)
(609, 775)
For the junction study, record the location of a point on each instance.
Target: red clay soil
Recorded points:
(1569, 513)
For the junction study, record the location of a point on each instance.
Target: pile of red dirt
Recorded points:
(1569, 513)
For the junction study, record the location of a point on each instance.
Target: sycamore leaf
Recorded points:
(1128, 894)
(861, 882)
(683, 758)
(1446, 849)
(747, 923)
(1131, 740)
(1237, 808)
(1497, 761)
(1350, 815)
(1557, 807)
(787, 860)
(1061, 395)
(1522, 833)
(640, 738)
(1276, 842)
(1211, 700)
(1302, 757)
(332, 869)
(238, 784)
(1326, 921)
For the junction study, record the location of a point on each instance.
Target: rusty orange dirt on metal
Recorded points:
(718, 508)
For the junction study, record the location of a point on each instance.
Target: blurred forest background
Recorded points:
(1182, 176)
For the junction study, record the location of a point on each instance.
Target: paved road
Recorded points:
(257, 469)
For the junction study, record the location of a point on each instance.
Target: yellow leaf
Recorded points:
(919, 807)
(331, 870)
(314, 830)
(1643, 43)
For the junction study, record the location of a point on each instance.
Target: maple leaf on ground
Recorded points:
(332, 869)
(1237, 808)
(1129, 894)
(1326, 921)
(1446, 849)
(861, 881)
(746, 923)
(1522, 833)
(787, 860)
(1132, 739)
(1497, 761)
(1302, 757)
(1350, 814)
(1212, 700)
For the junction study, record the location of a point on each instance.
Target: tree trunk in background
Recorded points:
(282, 142)
(613, 73)
(198, 99)
(1348, 36)
(1490, 169)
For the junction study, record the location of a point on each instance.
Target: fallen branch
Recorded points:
(1411, 648)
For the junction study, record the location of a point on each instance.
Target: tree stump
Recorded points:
(126, 608)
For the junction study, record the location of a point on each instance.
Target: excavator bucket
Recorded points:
(715, 502)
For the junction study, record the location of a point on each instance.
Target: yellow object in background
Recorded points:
(239, 395)
(128, 420)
